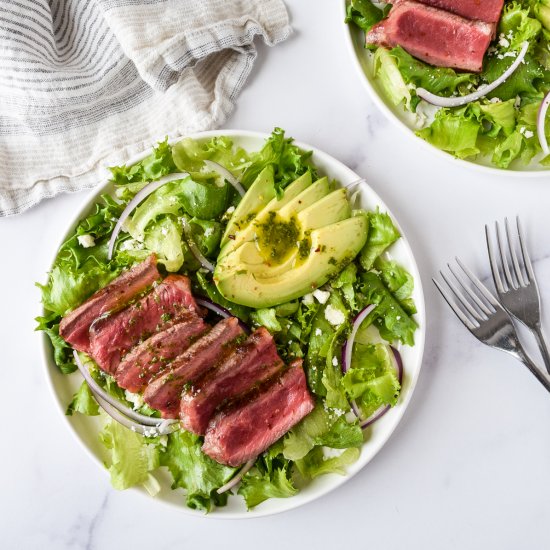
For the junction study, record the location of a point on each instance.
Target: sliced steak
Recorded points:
(248, 365)
(147, 359)
(246, 430)
(74, 327)
(112, 336)
(433, 35)
(164, 392)
(483, 10)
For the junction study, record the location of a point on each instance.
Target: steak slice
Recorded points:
(433, 35)
(164, 392)
(112, 336)
(74, 327)
(483, 10)
(246, 430)
(248, 365)
(152, 356)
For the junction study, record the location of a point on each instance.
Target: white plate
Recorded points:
(407, 121)
(86, 428)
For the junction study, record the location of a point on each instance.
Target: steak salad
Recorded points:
(476, 75)
(274, 383)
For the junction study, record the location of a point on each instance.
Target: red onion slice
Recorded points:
(113, 401)
(194, 247)
(541, 120)
(240, 474)
(347, 352)
(482, 91)
(139, 197)
(221, 311)
(227, 175)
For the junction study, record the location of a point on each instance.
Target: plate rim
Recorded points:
(420, 337)
(392, 116)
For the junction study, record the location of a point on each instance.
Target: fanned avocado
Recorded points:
(290, 246)
(332, 247)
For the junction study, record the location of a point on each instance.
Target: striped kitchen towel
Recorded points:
(86, 84)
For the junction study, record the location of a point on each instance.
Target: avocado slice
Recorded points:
(274, 205)
(309, 196)
(332, 208)
(331, 247)
(258, 195)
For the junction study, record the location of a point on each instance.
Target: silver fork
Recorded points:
(485, 318)
(515, 282)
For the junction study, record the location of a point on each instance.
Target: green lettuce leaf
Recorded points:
(386, 70)
(288, 161)
(372, 380)
(363, 13)
(382, 234)
(315, 463)
(194, 471)
(257, 487)
(389, 316)
(438, 80)
(83, 402)
(132, 456)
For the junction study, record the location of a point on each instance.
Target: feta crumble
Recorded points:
(307, 299)
(318, 332)
(334, 316)
(335, 361)
(321, 295)
(86, 241)
(135, 398)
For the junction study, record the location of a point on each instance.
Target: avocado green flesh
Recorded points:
(274, 205)
(330, 209)
(332, 246)
(258, 195)
(308, 197)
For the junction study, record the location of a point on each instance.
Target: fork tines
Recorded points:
(472, 302)
(509, 274)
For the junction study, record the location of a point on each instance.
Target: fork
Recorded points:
(517, 288)
(485, 318)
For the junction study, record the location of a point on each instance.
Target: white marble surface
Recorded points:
(468, 466)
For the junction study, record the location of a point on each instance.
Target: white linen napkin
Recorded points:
(87, 84)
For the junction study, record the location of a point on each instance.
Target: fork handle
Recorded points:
(543, 346)
(540, 375)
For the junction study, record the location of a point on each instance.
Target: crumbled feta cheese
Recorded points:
(495, 100)
(504, 42)
(318, 332)
(86, 241)
(230, 210)
(528, 134)
(522, 130)
(135, 398)
(321, 295)
(509, 54)
(164, 231)
(335, 361)
(334, 316)
(208, 232)
(308, 299)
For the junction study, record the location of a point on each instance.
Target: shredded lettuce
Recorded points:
(382, 234)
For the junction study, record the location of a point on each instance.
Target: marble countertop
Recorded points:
(468, 465)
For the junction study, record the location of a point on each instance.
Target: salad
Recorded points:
(506, 124)
(342, 330)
